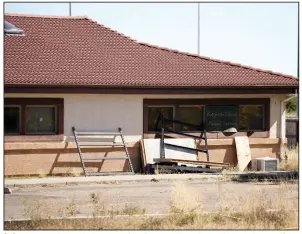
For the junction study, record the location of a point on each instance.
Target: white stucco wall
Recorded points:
(108, 112)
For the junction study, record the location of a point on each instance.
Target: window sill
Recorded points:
(212, 135)
(34, 138)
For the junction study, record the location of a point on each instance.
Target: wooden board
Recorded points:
(243, 152)
(158, 160)
(152, 149)
(143, 155)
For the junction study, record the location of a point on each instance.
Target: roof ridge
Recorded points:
(46, 16)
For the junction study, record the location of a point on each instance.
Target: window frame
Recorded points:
(35, 102)
(265, 102)
(20, 119)
(56, 120)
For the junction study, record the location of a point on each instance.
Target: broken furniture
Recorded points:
(80, 138)
(180, 164)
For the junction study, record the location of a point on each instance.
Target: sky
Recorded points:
(261, 35)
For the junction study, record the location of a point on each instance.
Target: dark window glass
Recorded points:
(153, 113)
(192, 115)
(40, 120)
(251, 118)
(221, 118)
(11, 120)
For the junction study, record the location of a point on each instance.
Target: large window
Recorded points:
(217, 115)
(33, 116)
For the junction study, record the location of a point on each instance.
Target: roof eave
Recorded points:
(11, 88)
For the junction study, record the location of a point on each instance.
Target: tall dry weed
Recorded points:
(291, 161)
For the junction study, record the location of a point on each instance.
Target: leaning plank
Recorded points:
(143, 155)
(168, 160)
(243, 152)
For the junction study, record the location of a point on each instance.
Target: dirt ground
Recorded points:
(155, 197)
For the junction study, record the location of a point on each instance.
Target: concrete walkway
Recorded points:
(91, 179)
(137, 178)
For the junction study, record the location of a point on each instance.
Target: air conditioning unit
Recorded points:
(265, 164)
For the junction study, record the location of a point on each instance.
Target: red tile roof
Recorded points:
(61, 51)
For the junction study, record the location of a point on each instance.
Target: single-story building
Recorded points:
(62, 72)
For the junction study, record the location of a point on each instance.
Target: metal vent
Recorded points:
(10, 29)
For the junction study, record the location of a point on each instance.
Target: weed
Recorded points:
(71, 207)
(98, 205)
(133, 210)
(154, 180)
(291, 161)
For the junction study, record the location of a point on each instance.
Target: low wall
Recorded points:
(63, 158)
(224, 150)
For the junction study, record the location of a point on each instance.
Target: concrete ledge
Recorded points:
(136, 178)
(271, 176)
(91, 179)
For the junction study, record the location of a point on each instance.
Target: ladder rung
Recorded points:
(97, 133)
(103, 158)
(108, 173)
(100, 144)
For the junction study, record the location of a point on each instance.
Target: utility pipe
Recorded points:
(282, 134)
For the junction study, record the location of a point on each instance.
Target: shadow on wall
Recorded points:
(66, 160)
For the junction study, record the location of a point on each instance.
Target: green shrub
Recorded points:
(291, 105)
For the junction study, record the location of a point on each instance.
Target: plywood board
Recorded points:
(152, 149)
(143, 155)
(243, 152)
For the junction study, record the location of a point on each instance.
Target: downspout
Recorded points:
(282, 134)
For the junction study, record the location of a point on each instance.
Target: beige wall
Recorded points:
(63, 158)
(108, 112)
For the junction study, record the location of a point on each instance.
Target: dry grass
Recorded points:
(291, 162)
(254, 210)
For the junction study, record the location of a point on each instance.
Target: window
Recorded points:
(12, 119)
(40, 120)
(33, 117)
(231, 117)
(153, 113)
(251, 118)
(191, 115)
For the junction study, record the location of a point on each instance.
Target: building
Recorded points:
(71, 71)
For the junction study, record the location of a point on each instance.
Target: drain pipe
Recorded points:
(282, 134)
